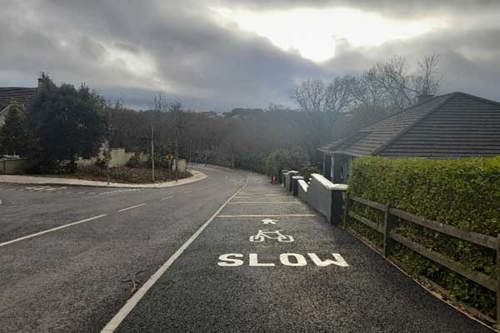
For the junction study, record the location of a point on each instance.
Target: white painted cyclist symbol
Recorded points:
(276, 235)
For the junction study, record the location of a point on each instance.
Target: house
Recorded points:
(448, 126)
(22, 96)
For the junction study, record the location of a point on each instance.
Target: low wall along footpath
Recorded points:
(321, 194)
(13, 166)
(471, 273)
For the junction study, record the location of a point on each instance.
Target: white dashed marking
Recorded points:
(51, 230)
(132, 207)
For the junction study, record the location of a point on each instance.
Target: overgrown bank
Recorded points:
(463, 193)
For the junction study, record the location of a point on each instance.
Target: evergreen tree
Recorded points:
(13, 139)
(65, 123)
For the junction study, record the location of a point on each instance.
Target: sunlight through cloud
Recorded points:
(313, 32)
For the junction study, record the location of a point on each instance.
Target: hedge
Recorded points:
(462, 192)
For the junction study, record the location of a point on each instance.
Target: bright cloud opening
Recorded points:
(312, 32)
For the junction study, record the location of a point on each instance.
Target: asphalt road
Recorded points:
(265, 263)
(72, 280)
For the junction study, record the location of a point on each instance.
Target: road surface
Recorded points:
(263, 263)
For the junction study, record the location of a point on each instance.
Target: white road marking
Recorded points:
(113, 324)
(51, 230)
(120, 191)
(262, 194)
(269, 221)
(254, 261)
(267, 215)
(45, 188)
(166, 198)
(286, 259)
(264, 202)
(132, 207)
(262, 235)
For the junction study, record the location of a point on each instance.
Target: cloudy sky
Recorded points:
(217, 55)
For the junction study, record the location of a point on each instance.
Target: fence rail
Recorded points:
(392, 216)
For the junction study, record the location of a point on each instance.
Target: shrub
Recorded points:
(135, 162)
(291, 159)
(464, 193)
(125, 174)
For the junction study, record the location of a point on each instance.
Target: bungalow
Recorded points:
(22, 96)
(448, 126)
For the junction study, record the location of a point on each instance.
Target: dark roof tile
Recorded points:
(21, 95)
(450, 125)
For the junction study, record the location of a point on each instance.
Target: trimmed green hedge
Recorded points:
(464, 193)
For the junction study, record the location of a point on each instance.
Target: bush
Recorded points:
(135, 162)
(463, 192)
(290, 159)
(126, 174)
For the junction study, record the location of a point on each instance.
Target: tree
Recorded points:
(323, 104)
(65, 123)
(427, 81)
(338, 95)
(392, 86)
(13, 138)
(310, 95)
(291, 159)
(317, 96)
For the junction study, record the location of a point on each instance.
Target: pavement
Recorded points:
(39, 180)
(197, 258)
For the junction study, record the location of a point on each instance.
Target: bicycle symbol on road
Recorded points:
(276, 235)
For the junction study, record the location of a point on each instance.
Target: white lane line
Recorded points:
(132, 207)
(260, 196)
(267, 215)
(166, 198)
(263, 194)
(264, 202)
(113, 324)
(52, 229)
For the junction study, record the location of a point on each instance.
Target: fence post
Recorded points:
(346, 209)
(497, 325)
(295, 184)
(336, 206)
(389, 224)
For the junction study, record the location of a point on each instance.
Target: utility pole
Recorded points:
(152, 155)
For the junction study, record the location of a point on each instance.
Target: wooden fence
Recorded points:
(392, 216)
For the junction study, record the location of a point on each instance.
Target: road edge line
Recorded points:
(131, 303)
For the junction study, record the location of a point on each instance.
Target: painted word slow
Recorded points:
(285, 259)
(271, 235)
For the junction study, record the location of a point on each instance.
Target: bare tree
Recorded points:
(391, 85)
(338, 94)
(426, 80)
(317, 96)
(310, 95)
(367, 91)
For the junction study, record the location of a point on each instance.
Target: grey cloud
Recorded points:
(389, 7)
(205, 65)
(468, 60)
